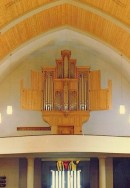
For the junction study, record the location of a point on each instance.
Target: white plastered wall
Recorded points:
(101, 122)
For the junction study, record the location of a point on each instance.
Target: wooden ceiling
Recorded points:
(22, 20)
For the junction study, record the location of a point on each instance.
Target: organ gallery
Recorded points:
(66, 94)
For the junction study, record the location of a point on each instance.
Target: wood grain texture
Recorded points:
(68, 15)
(120, 9)
(12, 9)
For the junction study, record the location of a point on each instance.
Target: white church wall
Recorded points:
(100, 123)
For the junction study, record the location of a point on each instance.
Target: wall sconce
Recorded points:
(9, 110)
(122, 109)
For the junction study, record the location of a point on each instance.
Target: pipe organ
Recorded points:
(67, 95)
(66, 86)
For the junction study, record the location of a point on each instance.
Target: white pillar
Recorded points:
(102, 173)
(30, 173)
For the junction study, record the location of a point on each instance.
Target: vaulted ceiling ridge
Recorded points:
(54, 16)
(76, 3)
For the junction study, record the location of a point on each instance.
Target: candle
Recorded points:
(75, 179)
(53, 178)
(78, 178)
(68, 177)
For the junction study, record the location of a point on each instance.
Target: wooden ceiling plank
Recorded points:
(16, 8)
(67, 15)
(119, 9)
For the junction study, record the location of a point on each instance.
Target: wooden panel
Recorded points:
(94, 103)
(66, 130)
(99, 99)
(58, 85)
(73, 85)
(94, 80)
(31, 99)
(103, 99)
(36, 80)
(56, 118)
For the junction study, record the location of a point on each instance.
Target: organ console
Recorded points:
(66, 94)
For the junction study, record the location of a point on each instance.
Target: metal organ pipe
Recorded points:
(66, 67)
(44, 98)
(51, 92)
(50, 100)
(66, 96)
(79, 92)
(82, 92)
(46, 94)
(85, 101)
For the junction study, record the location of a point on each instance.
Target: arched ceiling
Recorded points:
(106, 21)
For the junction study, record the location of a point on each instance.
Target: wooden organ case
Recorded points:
(66, 94)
